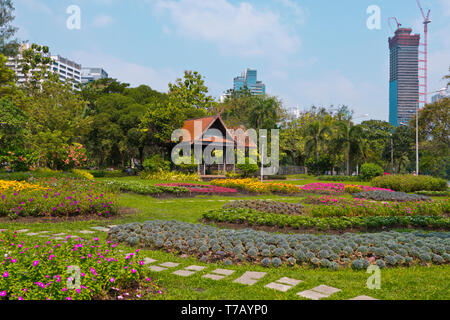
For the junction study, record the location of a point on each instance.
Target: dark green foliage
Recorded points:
(410, 183)
(370, 171)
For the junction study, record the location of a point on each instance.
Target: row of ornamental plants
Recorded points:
(56, 197)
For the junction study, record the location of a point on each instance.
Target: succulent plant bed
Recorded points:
(56, 197)
(198, 189)
(267, 206)
(70, 270)
(390, 196)
(357, 251)
(283, 223)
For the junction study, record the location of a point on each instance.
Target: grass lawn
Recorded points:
(399, 283)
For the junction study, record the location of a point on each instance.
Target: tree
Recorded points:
(377, 135)
(403, 143)
(316, 135)
(8, 46)
(349, 137)
(190, 96)
(265, 113)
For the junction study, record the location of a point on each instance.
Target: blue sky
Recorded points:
(306, 51)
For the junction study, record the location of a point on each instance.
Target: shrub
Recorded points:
(353, 189)
(40, 271)
(156, 163)
(255, 186)
(170, 176)
(83, 174)
(410, 183)
(146, 189)
(339, 178)
(370, 171)
(200, 188)
(433, 193)
(248, 169)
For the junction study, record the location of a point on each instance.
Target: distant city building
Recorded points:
(404, 76)
(92, 74)
(248, 80)
(65, 68)
(441, 95)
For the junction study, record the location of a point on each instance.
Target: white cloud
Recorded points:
(129, 72)
(103, 20)
(239, 29)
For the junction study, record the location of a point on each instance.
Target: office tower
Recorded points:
(248, 80)
(92, 74)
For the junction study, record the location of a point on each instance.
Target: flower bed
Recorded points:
(390, 196)
(335, 188)
(255, 186)
(268, 249)
(200, 188)
(410, 183)
(58, 197)
(267, 206)
(330, 206)
(324, 221)
(146, 189)
(70, 270)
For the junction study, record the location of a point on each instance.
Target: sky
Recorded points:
(307, 52)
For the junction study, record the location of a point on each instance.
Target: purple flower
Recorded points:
(6, 274)
(35, 263)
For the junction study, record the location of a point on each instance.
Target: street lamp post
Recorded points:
(262, 157)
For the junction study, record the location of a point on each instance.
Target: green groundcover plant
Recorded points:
(70, 270)
(141, 188)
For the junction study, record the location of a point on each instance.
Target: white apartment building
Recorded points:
(65, 68)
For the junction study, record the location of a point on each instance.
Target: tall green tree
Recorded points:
(350, 138)
(316, 135)
(9, 46)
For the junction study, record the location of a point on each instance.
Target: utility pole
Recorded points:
(392, 154)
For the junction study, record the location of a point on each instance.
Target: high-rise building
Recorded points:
(404, 76)
(248, 80)
(92, 74)
(65, 68)
(440, 96)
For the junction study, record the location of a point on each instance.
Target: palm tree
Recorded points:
(264, 113)
(350, 138)
(316, 134)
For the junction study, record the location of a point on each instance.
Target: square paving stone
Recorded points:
(169, 264)
(278, 286)
(22, 231)
(102, 229)
(313, 295)
(59, 235)
(86, 232)
(363, 298)
(32, 234)
(149, 260)
(58, 238)
(184, 273)
(157, 268)
(213, 277)
(326, 290)
(195, 268)
(250, 277)
(224, 272)
(289, 281)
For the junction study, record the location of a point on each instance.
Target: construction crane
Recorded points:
(426, 22)
(398, 24)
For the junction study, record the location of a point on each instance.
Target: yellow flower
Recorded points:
(18, 186)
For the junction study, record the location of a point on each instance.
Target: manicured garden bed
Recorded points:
(56, 197)
(210, 244)
(201, 189)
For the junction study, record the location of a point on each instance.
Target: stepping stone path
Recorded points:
(284, 284)
(250, 277)
(219, 274)
(164, 266)
(149, 261)
(319, 292)
(363, 298)
(189, 271)
(85, 232)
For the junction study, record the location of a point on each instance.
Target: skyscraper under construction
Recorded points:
(404, 76)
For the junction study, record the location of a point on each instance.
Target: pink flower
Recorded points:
(6, 274)
(35, 263)
(112, 280)
(2, 293)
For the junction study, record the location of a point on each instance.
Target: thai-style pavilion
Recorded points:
(205, 132)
